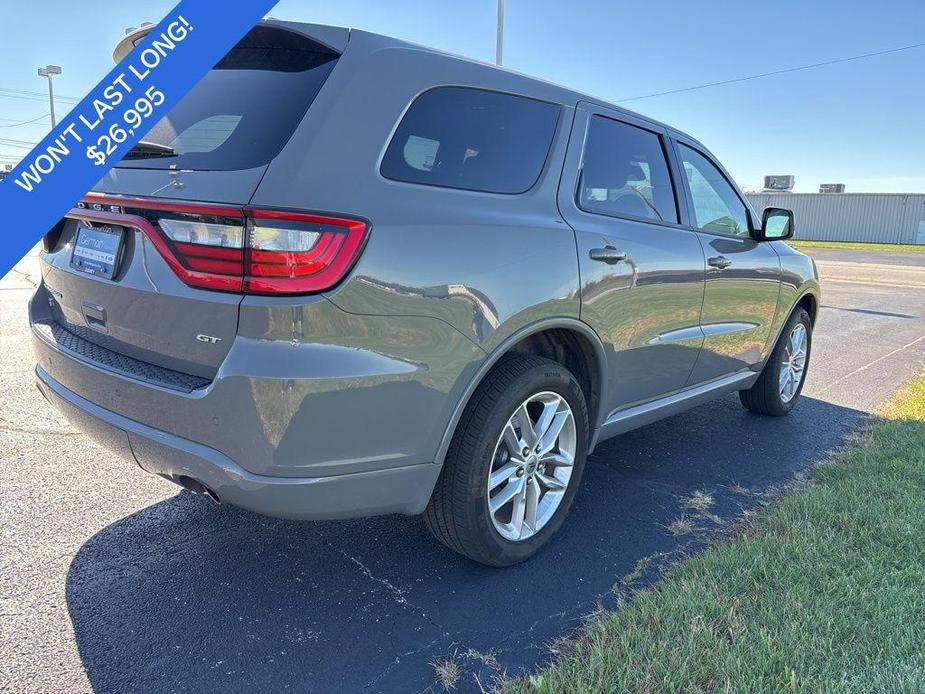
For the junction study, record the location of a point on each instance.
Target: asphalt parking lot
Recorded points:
(114, 580)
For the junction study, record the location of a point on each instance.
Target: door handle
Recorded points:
(720, 261)
(608, 254)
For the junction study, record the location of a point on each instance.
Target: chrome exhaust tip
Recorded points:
(195, 486)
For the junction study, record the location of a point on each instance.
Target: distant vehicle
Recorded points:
(416, 284)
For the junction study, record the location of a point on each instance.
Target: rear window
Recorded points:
(242, 113)
(458, 137)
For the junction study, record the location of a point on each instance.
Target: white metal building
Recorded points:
(868, 217)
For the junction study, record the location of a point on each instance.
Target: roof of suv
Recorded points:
(337, 39)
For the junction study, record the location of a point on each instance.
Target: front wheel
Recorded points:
(780, 384)
(514, 464)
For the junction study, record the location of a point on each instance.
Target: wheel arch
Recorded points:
(810, 302)
(808, 298)
(568, 341)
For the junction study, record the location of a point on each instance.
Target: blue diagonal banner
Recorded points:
(105, 125)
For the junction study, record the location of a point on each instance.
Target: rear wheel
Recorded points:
(514, 464)
(778, 388)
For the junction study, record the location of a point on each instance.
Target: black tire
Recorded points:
(764, 397)
(458, 514)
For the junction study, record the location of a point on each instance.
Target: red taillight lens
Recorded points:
(221, 261)
(209, 249)
(295, 253)
(255, 251)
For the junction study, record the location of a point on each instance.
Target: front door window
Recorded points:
(717, 207)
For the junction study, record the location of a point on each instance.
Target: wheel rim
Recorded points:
(793, 365)
(531, 466)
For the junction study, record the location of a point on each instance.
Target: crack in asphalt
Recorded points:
(25, 276)
(869, 364)
(397, 661)
(458, 638)
(397, 593)
(399, 597)
(36, 431)
(508, 634)
(458, 647)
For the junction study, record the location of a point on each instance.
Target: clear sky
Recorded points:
(861, 123)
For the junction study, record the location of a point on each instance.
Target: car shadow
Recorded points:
(188, 596)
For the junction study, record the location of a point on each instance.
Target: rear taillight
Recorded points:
(211, 253)
(250, 250)
(297, 253)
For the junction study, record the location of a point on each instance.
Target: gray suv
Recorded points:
(349, 276)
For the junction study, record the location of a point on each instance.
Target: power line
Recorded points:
(774, 72)
(16, 124)
(22, 98)
(6, 142)
(25, 92)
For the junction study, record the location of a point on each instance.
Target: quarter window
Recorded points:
(625, 173)
(717, 208)
(458, 137)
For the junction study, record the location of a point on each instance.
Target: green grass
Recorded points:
(855, 246)
(824, 590)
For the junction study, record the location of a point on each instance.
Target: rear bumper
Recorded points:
(404, 489)
(306, 390)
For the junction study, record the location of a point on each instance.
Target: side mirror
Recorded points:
(776, 224)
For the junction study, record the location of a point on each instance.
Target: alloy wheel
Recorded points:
(793, 364)
(531, 466)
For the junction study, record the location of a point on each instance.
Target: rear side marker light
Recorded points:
(249, 250)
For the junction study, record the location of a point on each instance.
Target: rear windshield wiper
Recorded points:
(148, 150)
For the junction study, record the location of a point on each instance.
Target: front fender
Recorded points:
(790, 297)
(799, 279)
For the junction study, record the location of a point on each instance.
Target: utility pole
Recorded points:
(499, 46)
(50, 71)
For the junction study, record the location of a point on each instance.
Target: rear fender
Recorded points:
(503, 348)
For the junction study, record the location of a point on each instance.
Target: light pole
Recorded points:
(499, 46)
(50, 71)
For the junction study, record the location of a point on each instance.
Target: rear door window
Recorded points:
(458, 137)
(625, 173)
(242, 113)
